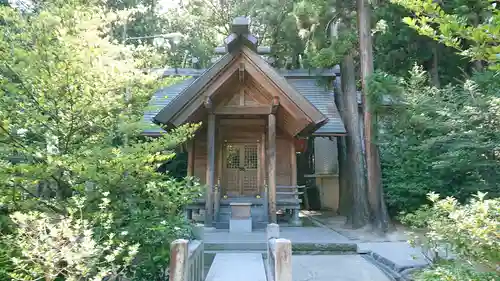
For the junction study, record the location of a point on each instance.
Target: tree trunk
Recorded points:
(359, 215)
(345, 197)
(379, 216)
(435, 64)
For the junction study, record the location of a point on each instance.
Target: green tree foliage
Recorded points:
(469, 232)
(472, 27)
(70, 123)
(443, 140)
(397, 47)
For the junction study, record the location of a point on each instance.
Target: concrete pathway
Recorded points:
(237, 267)
(390, 254)
(390, 251)
(335, 268)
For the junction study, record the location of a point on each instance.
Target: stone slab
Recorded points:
(396, 255)
(240, 225)
(335, 267)
(237, 267)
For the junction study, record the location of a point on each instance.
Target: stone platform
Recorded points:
(304, 240)
(295, 234)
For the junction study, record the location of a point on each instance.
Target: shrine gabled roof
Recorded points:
(306, 107)
(302, 80)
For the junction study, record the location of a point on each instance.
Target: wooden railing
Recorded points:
(279, 255)
(186, 259)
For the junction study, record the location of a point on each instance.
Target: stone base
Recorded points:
(240, 225)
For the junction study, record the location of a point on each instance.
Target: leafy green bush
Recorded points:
(469, 232)
(70, 126)
(54, 247)
(451, 271)
(440, 140)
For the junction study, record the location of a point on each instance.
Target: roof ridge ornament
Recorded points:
(240, 25)
(241, 36)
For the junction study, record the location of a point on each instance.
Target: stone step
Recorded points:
(212, 252)
(236, 246)
(221, 224)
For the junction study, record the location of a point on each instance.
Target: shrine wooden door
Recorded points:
(241, 166)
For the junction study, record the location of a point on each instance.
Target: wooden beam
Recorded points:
(210, 169)
(244, 110)
(242, 122)
(271, 165)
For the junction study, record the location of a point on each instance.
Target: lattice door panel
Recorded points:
(240, 169)
(232, 169)
(250, 185)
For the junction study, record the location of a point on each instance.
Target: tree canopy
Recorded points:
(75, 81)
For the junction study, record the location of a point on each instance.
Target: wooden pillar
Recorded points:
(271, 165)
(209, 206)
(263, 167)
(293, 163)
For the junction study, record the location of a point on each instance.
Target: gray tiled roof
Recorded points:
(323, 100)
(318, 95)
(159, 100)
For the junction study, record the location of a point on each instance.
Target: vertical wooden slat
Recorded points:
(190, 167)
(293, 162)
(210, 169)
(271, 164)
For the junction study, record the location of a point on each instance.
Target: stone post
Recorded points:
(199, 231)
(272, 231)
(178, 260)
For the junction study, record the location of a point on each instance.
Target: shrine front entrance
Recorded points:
(241, 169)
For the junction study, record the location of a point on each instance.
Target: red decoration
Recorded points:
(300, 145)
